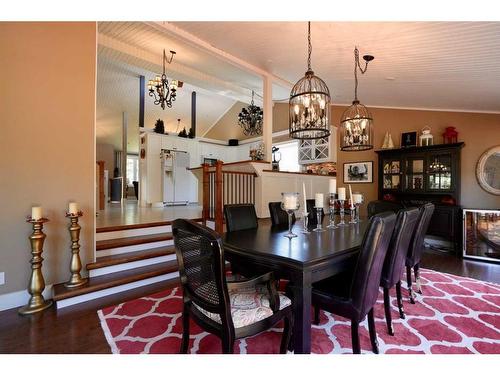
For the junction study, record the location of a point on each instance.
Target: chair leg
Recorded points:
(373, 332)
(356, 349)
(227, 345)
(400, 300)
(387, 309)
(416, 269)
(185, 332)
(408, 280)
(287, 334)
(316, 315)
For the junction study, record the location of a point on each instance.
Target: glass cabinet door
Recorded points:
(414, 173)
(439, 172)
(391, 174)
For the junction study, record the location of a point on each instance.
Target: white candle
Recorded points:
(318, 200)
(350, 194)
(357, 198)
(305, 197)
(36, 213)
(333, 186)
(341, 192)
(290, 202)
(73, 208)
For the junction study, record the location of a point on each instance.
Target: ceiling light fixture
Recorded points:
(356, 125)
(309, 104)
(160, 89)
(250, 119)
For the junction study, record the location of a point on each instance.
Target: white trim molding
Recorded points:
(20, 298)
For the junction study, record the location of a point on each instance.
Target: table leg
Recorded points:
(301, 290)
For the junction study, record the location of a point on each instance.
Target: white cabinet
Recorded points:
(319, 150)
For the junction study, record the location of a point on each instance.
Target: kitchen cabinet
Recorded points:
(319, 150)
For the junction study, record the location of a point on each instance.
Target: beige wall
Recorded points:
(47, 145)
(106, 152)
(479, 132)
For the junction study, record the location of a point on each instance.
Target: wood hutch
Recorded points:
(416, 175)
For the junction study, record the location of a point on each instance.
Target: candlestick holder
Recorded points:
(290, 204)
(36, 284)
(342, 222)
(305, 223)
(319, 227)
(75, 264)
(352, 211)
(331, 206)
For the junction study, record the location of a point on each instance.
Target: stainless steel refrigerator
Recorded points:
(175, 181)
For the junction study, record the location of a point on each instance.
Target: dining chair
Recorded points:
(406, 221)
(240, 216)
(353, 293)
(279, 217)
(416, 248)
(230, 310)
(376, 207)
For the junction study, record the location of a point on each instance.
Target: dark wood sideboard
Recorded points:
(417, 175)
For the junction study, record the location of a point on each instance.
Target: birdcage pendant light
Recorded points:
(163, 92)
(309, 104)
(356, 125)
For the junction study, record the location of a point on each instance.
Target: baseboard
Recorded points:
(20, 298)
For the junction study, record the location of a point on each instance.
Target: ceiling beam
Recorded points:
(200, 43)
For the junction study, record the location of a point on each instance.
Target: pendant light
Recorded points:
(163, 92)
(250, 118)
(309, 104)
(356, 125)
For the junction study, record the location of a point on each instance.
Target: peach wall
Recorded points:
(47, 144)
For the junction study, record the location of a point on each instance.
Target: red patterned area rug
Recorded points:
(454, 315)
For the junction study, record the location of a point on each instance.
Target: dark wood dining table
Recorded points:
(302, 260)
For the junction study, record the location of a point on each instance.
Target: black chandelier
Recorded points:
(160, 89)
(250, 119)
(309, 104)
(356, 124)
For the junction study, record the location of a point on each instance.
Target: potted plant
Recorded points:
(159, 127)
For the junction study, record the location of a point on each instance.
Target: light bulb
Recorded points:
(322, 104)
(296, 109)
(307, 101)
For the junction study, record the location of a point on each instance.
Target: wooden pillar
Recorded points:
(219, 219)
(100, 184)
(267, 127)
(206, 194)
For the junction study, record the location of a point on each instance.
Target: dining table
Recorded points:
(302, 260)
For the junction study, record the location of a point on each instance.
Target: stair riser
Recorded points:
(130, 265)
(133, 232)
(117, 289)
(129, 249)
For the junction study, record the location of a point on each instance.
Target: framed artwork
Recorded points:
(408, 139)
(358, 172)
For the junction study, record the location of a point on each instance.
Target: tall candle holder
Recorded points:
(319, 227)
(331, 206)
(290, 204)
(305, 223)
(342, 222)
(75, 264)
(352, 211)
(36, 284)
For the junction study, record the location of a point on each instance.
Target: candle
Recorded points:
(357, 198)
(318, 200)
(341, 192)
(290, 201)
(305, 197)
(350, 194)
(73, 208)
(36, 213)
(333, 186)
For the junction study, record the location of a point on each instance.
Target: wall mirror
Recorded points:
(488, 170)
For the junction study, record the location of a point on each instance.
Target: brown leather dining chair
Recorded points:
(230, 310)
(416, 248)
(353, 293)
(279, 217)
(406, 222)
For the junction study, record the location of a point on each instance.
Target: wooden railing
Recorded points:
(224, 187)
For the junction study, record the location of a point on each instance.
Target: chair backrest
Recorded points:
(406, 222)
(240, 216)
(416, 247)
(366, 278)
(201, 262)
(313, 218)
(278, 215)
(376, 207)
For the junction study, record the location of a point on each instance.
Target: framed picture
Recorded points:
(408, 139)
(358, 172)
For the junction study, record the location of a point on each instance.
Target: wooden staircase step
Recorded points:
(129, 241)
(115, 279)
(116, 228)
(112, 260)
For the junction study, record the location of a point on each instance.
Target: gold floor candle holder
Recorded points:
(76, 264)
(36, 284)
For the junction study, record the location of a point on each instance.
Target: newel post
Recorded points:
(205, 215)
(219, 220)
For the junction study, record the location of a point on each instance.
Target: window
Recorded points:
(289, 156)
(132, 169)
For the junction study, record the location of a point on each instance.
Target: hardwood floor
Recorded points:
(77, 329)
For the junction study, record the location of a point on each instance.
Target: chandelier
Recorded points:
(160, 89)
(250, 119)
(356, 125)
(309, 104)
